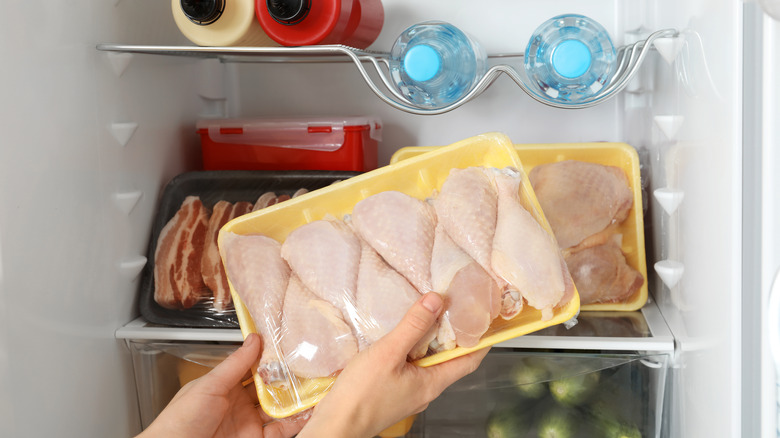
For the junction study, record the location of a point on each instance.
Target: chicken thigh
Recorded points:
(259, 276)
(580, 199)
(602, 275)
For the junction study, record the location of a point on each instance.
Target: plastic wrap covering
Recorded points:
(184, 283)
(544, 394)
(325, 275)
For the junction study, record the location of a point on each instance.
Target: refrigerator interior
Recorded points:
(91, 137)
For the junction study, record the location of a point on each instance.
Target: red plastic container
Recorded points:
(310, 143)
(354, 23)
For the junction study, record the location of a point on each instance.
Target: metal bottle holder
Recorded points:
(629, 59)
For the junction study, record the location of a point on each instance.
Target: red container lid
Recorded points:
(313, 133)
(310, 22)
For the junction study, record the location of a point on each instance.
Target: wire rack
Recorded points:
(374, 67)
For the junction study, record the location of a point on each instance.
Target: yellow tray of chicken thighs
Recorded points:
(420, 176)
(620, 155)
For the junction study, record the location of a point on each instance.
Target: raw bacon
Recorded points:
(177, 278)
(212, 270)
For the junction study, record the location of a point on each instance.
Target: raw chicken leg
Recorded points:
(400, 228)
(325, 255)
(580, 199)
(259, 276)
(466, 207)
(316, 340)
(523, 253)
(471, 296)
(383, 298)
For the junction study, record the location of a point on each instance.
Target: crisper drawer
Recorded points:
(544, 394)
(514, 393)
(162, 368)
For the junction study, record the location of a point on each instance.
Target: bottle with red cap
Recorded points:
(354, 23)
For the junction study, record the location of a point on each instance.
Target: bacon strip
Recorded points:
(267, 199)
(177, 278)
(212, 270)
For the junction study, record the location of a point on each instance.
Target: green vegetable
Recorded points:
(616, 429)
(508, 423)
(574, 390)
(614, 404)
(557, 422)
(530, 379)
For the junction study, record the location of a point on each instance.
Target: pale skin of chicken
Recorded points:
(378, 388)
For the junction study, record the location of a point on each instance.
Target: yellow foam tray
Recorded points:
(417, 176)
(619, 155)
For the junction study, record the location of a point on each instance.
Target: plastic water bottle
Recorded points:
(570, 58)
(434, 64)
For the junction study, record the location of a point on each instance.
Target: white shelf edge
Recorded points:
(661, 339)
(590, 343)
(138, 329)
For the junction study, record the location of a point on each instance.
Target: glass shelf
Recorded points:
(642, 330)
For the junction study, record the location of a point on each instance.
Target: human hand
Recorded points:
(379, 387)
(218, 405)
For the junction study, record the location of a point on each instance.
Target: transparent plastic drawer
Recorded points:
(162, 368)
(551, 394)
(515, 393)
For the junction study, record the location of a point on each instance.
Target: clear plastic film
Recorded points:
(361, 252)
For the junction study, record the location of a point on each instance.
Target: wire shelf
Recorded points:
(374, 67)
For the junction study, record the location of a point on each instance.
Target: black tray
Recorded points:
(211, 187)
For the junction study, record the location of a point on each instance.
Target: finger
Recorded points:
(286, 428)
(235, 366)
(414, 325)
(446, 373)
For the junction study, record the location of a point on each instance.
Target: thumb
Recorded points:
(235, 366)
(418, 321)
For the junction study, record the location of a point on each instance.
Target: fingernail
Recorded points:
(250, 339)
(432, 301)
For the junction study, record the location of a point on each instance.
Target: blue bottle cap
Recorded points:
(571, 58)
(422, 62)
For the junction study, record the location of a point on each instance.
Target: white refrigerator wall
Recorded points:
(90, 138)
(770, 227)
(77, 198)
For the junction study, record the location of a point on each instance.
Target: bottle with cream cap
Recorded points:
(220, 22)
(434, 64)
(570, 58)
